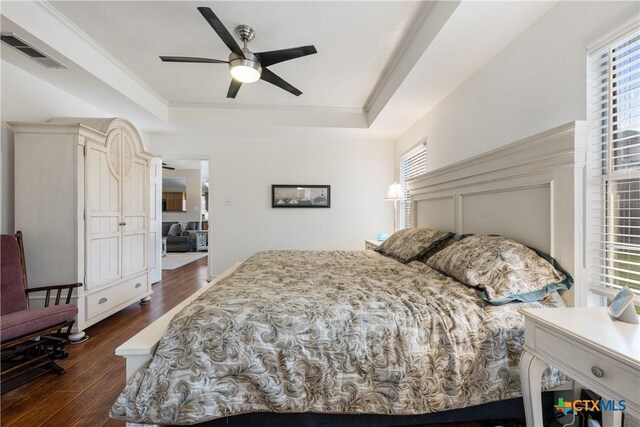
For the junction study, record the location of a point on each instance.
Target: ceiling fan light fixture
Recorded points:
(245, 74)
(244, 65)
(245, 70)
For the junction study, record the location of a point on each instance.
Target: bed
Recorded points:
(343, 332)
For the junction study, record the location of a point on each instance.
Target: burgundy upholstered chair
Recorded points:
(31, 338)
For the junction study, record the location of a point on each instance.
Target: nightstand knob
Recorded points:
(597, 372)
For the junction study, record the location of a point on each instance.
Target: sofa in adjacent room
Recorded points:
(179, 239)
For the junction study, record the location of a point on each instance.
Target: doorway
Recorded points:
(180, 207)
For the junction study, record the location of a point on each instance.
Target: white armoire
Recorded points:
(82, 202)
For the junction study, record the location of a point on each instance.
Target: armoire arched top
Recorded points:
(106, 125)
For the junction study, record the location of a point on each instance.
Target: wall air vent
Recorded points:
(30, 51)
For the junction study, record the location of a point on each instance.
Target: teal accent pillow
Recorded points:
(500, 269)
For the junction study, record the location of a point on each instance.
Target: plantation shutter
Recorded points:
(413, 163)
(614, 173)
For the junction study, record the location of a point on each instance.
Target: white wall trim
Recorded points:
(56, 129)
(300, 117)
(424, 30)
(610, 37)
(284, 108)
(398, 55)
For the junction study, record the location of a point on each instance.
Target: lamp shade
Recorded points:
(395, 192)
(245, 74)
(246, 68)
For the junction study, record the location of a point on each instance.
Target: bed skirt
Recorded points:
(501, 410)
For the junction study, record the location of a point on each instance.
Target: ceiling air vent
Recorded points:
(30, 51)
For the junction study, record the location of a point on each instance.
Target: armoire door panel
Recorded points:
(100, 176)
(103, 264)
(133, 244)
(103, 232)
(103, 224)
(135, 223)
(134, 190)
(134, 211)
(130, 177)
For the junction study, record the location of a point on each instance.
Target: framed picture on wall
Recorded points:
(300, 196)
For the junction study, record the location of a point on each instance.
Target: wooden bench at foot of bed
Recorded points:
(139, 350)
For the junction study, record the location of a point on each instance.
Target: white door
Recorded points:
(155, 220)
(102, 209)
(134, 208)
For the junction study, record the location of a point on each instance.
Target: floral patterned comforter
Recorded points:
(330, 332)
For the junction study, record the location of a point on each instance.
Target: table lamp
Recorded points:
(396, 194)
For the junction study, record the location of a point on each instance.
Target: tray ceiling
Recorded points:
(355, 41)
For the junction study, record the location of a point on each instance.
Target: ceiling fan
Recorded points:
(246, 66)
(165, 166)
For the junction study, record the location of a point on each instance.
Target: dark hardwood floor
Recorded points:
(94, 374)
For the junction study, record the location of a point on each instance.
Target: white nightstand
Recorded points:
(586, 344)
(370, 245)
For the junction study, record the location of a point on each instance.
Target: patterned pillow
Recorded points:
(412, 243)
(174, 230)
(500, 269)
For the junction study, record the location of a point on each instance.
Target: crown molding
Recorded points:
(432, 17)
(200, 114)
(46, 6)
(610, 37)
(258, 107)
(398, 55)
(55, 128)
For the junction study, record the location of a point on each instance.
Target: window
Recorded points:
(412, 164)
(614, 91)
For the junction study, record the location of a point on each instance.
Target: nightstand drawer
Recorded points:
(595, 367)
(586, 344)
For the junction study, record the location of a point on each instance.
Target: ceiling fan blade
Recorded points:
(271, 77)
(234, 87)
(192, 59)
(164, 166)
(220, 29)
(276, 56)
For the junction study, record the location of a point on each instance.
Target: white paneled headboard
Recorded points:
(531, 191)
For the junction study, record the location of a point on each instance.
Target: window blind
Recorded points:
(614, 172)
(413, 163)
